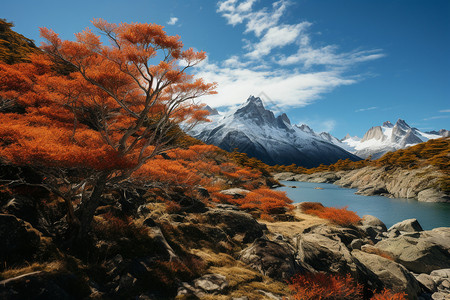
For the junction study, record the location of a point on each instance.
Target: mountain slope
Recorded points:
(254, 130)
(379, 140)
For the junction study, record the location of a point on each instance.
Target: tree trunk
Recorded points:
(88, 207)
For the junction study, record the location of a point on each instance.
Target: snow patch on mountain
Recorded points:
(379, 140)
(253, 129)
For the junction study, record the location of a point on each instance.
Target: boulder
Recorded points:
(234, 223)
(369, 220)
(423, 252)
(410, 225)
(341, 234)
(20, 241)
(433, 195)
(270, 258)
(442, 280)
(235, 192)
(356, 244)
(393, 275)
(211, 283)
(427, 282)
(287, 176)
(331, 256)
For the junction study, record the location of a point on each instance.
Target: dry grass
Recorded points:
(46, 267)
(243, 281)
(290, 229)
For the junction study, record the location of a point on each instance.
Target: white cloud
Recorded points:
(366, 109)
(436, 118)
(445, 111)
(287, 89)
(257, 21)
(293, 79)
(172, 21)
(276, 37)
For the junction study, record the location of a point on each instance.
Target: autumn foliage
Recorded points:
(320, 286)
(339, 216)
(325, 287)
(118, 105)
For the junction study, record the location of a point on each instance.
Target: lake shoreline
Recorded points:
(422, 184)
(389, 210)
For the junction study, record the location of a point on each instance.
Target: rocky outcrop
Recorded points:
(420, 252)
(235, 223)
(211, 284)
(422, 184)
(270, 258)
(410, 225)
(393, 275)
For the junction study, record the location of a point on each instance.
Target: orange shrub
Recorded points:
(325, 287)
(305, 206)
(339, 216)
(267, 217)
(266, 200)
(389, 295)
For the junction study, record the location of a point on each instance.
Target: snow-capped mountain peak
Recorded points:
(255, 130)
(389, 137)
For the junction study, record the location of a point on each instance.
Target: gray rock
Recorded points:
(270, 258)
(235, 192)
(287, 176)
(356, 244)
(432, 195)
(423, 254)
(428, 282)
(444, 273)
(369, 220)
(341, 234)
(211, 283)
(440, 296)
(410, 225)
(235, 222)
(393, 275)
(332, 256)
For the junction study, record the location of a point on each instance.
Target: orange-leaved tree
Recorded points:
(120, 105)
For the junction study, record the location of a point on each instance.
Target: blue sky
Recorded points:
(339, 66)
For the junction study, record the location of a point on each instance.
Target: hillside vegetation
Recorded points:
(14, 47)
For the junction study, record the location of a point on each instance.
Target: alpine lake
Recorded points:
(388, 210)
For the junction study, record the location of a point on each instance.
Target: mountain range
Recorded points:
(379, 140)
(254, 130)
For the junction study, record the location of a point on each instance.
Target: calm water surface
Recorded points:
(388, 210)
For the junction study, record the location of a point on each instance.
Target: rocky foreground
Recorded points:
(422, 184)
(235, 257)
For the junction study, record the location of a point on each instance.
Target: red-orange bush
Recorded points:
(339, 216)
(266, 200)
(321, 286)
(325, 287)
(389, 295)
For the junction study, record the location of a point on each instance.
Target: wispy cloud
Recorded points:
(366, 109)
(172, 21)
(291, 79)
(445, 111)
(436, 118)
